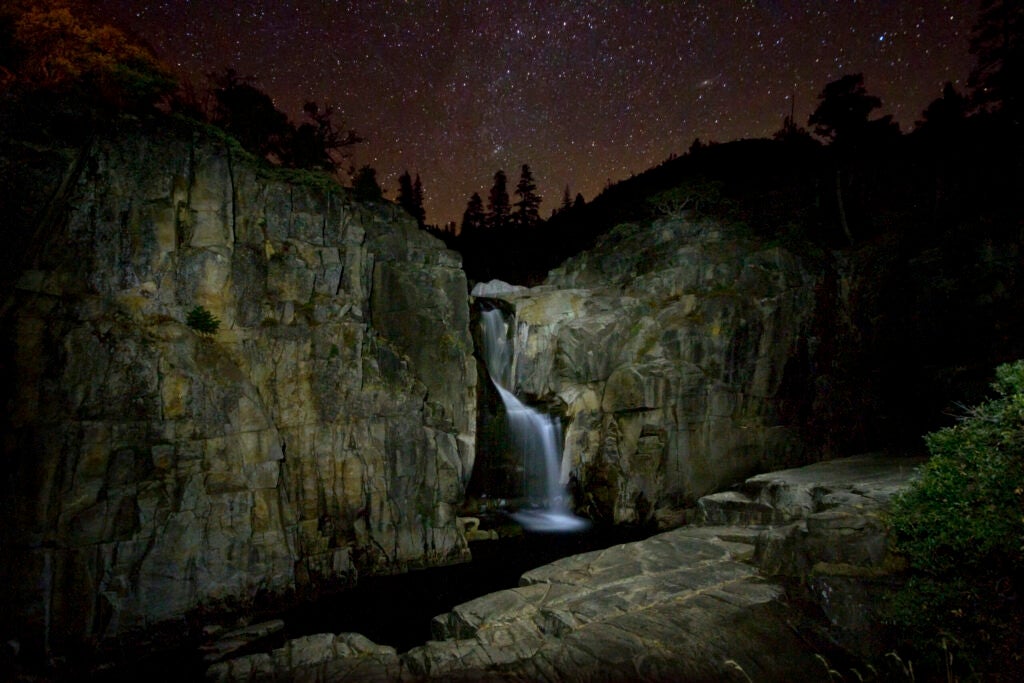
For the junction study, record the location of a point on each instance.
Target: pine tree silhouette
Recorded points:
(473, 219)
(410, 197)
(527, 214)
(498, 203)
(365, 185)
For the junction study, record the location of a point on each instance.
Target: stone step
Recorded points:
(733, 508)
(230, 642)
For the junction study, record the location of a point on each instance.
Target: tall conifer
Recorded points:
(410, 197)
(527, 213)
(473, 218)
(498, 203)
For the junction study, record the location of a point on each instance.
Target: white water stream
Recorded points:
(536, 438)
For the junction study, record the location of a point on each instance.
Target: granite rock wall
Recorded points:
(680, 355)
(325, 431)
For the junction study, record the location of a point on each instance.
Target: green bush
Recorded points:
(961, 529)
(202, 321)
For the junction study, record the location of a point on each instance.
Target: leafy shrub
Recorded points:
(202, 321)
(961, 528)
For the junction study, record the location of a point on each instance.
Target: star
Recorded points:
(455, 91)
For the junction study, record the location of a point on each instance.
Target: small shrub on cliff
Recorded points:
(202, 321)
(961, 528)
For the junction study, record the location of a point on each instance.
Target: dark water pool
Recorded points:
(392, 610)
(397, 610)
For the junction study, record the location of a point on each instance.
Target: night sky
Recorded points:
(584, 92)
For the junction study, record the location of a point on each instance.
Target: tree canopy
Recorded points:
(842, 116)
(473, 218)
(250, 116)
(44, 45)
(365, 185)
(317, 143)
(997, 43)
(961, 527)
(47, 49)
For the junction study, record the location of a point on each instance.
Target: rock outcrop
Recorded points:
(325, 430)
(680, 354)
(695, 604)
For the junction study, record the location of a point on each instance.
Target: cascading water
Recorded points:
(536, 438)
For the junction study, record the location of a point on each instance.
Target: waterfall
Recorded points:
(536, 438)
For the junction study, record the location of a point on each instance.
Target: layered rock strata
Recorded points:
(325, 430)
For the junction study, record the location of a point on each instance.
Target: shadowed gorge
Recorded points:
(317, 425)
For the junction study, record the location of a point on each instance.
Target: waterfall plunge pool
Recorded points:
(397, 610)
(535, 438)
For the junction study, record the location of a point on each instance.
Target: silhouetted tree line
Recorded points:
(500, 213)
(62, 76)
(502, 231)
(856, 179)
(919, 234)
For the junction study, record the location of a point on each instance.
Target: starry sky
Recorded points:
(586, 92)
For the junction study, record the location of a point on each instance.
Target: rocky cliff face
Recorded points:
(680, 354)
(325, 430)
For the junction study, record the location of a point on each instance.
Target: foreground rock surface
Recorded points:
(692, 604)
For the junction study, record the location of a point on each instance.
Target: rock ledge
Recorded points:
(690, 604)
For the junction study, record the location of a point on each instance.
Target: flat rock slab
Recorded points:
(231, 641)
(860, 482)
(677, 606)
(672, 607)
(874, 476)
(685, 605)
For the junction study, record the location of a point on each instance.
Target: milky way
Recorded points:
(584, 92)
